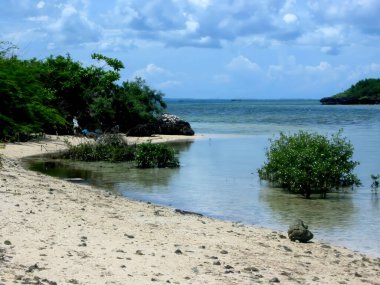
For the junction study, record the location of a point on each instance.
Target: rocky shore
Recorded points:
(57, 232)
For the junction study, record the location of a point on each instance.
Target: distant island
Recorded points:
(366, 91)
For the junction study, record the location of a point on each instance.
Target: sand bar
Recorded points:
(57, 232)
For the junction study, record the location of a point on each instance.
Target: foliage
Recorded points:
(44, 95)
(309, 163)
(26, 106)
(375, 183)
(6, 49)
(150, 155)
(111, 148)
(365, 91)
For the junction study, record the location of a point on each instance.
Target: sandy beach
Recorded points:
(56, 232)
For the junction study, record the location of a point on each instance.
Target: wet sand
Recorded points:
(57, 232)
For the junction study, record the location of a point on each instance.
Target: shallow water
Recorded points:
(218, 175)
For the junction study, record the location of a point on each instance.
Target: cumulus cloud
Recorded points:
(74, 27)
(323, 66)
(150, 70)
(38, 19)
(200, 3)
(359, 14)
(243, 63)
(169, 84)
(290, 18)
(40, 4)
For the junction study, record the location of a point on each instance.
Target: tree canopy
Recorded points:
(45, 95)
(366, 91)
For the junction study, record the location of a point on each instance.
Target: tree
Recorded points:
(309, 163)
(26, 105)
(44, 95)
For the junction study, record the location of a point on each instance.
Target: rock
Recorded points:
(173, 125)
(178, 251)
(274, 280)
(299, 231)
(183, 212)
(165, 125)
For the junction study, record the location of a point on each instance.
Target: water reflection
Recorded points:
(116, 177)
(218, 178)
(335, 212)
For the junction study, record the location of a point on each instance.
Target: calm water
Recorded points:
(218, 174)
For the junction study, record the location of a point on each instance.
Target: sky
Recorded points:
(220, 49)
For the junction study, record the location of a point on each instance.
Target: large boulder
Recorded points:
(299, 231)
(173, 125)
(164, 125)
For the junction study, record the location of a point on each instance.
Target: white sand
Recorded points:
(57, 232)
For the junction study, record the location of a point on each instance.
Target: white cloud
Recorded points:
(201, 3)
(150, 70)
(40, 4)
(328, 38)
(192, 26)
(38, 19)
(74, 27)
(323, 66)
(169, 84)
(290, 18)
(243, 63)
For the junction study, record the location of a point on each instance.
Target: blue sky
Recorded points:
(257, 49)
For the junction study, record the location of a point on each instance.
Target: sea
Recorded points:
(218, 173)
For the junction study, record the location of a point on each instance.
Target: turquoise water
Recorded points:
(218, 174)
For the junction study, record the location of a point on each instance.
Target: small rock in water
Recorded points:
(299, 231)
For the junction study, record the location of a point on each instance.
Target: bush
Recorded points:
(309, 163)
(155, 155)
(110, 148)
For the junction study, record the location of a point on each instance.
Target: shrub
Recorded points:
(110, 148)
(150, 155)
(309, 163)
(375, 183)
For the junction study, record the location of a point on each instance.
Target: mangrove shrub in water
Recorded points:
(112, 148)
(150, 155)
(309, 163)
(108, 148)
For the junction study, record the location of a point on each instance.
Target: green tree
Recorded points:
(26, 105)
(309, 163)
(44, 95)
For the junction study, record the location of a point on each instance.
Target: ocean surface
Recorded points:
(218, 174)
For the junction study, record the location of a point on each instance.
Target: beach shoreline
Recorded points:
(57, 232)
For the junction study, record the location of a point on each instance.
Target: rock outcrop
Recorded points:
(173, 125)
(164, 125)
